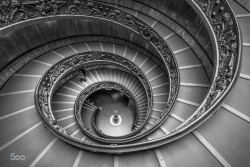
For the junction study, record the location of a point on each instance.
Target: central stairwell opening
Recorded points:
(110, 101)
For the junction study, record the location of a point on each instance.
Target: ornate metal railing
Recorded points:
(90, 90)
(226, 32)
(47, 84)
(133, 107)
(94, 118)
(228, 54)
(15, 11)
(226, 67)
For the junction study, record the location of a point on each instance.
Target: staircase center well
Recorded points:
(110, 101)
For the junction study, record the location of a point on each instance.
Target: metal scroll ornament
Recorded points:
(217, 12)
(226, 31)
(13, 11)
(47, 84)
(93, 88)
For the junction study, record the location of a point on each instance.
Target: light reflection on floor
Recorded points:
(110, 101)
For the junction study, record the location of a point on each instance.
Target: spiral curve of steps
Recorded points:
(215, 143)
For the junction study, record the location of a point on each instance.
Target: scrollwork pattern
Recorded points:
(49, 80)
(12, 12)
(217, 12)
(225, 29)
(42, 8)
(219, 16)
(124, 62)
(92, 88)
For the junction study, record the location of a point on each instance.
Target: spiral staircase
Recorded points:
(183, 65)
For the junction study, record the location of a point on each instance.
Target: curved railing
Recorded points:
(94, 122)
(47, 85)
(90, 90)
(228, 55)
(227, 48)
(19, 11)
(135, 111)
(226, 31)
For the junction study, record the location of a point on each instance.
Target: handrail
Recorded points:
(226, 30)
(46, 85)
(97, 110)
(84, 94)
(17, 11)
(93, 120)
(228, 39)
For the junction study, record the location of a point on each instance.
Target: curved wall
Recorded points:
(178, 10)
(21, 40)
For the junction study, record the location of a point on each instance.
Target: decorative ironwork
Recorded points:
(226, 31)
(48, 82)
(90, 90)
(13, 11)
(217, 12)
(132, 67)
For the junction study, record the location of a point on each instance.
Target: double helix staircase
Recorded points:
(215, 143)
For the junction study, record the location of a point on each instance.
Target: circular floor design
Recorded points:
(111, 101)
(112, 121)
